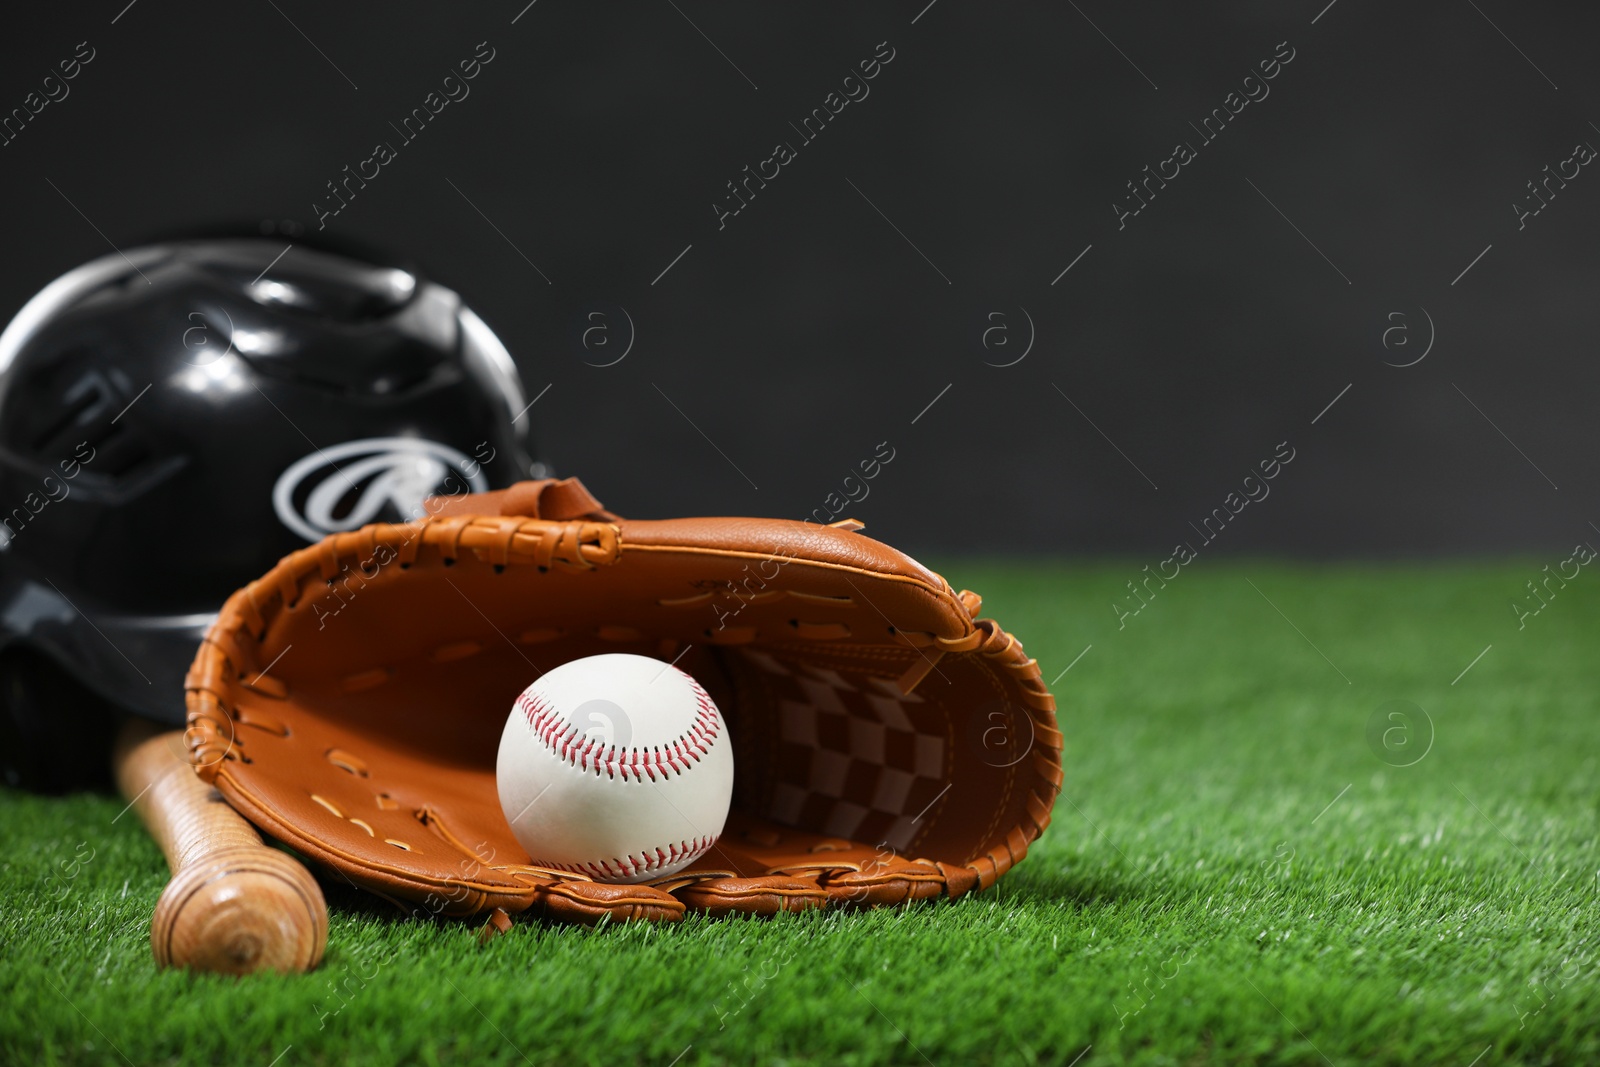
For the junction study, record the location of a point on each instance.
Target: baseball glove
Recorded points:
(888, 746)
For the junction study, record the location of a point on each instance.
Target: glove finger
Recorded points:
(847, 873)
(885, 883)
(589, 902)
(763, 895)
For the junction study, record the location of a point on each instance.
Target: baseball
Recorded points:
(617, 767)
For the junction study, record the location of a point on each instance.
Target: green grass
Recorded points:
(1233, 876)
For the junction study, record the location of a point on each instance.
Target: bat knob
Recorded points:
(238, 911)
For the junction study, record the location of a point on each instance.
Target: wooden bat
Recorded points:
(234, 905)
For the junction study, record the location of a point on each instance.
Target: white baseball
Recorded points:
(617, 767)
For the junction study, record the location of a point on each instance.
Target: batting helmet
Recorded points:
(177, 417)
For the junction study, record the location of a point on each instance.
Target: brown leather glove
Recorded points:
(888, 747)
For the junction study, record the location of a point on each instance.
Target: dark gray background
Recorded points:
(809, 330)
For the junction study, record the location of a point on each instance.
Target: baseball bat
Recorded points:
(234, 905)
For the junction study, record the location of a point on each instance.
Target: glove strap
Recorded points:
(546, 498)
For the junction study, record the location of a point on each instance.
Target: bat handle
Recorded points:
(234, 905)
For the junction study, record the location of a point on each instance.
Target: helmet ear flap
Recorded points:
(55, 734)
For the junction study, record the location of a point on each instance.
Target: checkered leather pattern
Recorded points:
(853, 761)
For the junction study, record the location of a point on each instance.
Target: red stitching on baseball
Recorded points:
(644, 863)
(562, 738)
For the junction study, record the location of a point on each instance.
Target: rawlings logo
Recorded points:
(349, 485)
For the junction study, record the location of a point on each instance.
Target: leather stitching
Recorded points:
(561, 737)
(643, 863)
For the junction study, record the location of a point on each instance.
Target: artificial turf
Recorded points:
(1239, 871)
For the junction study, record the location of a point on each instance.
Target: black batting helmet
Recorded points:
(177, 417)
